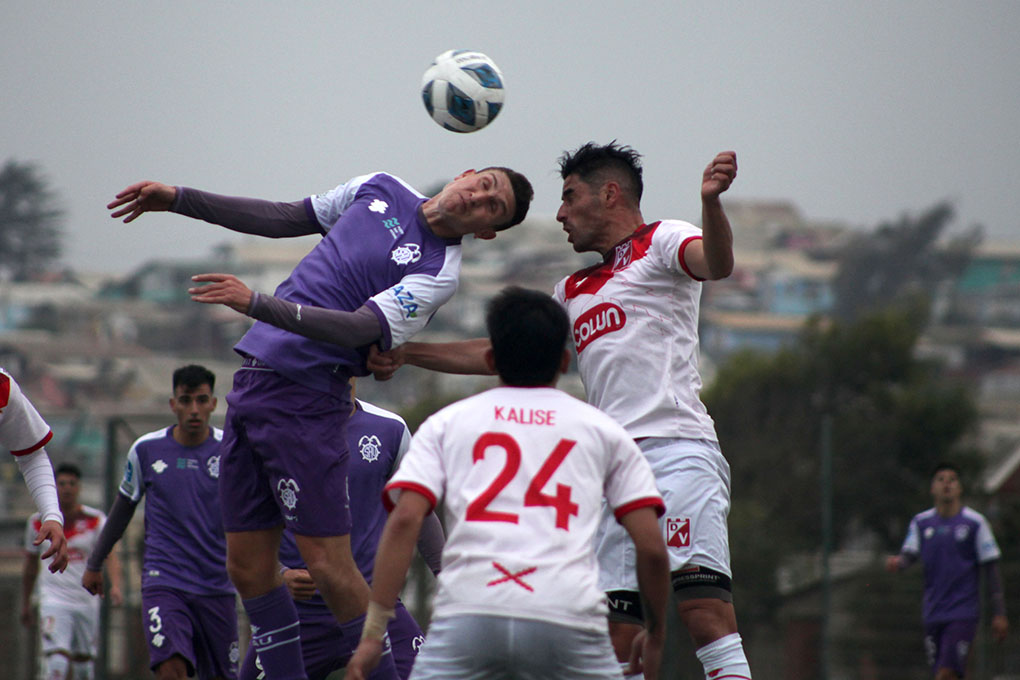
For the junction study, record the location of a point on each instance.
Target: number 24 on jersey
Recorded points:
(478, 509)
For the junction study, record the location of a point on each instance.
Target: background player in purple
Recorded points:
(377, 440)
(188, 603)
(24, 433)
(957, 547)
(389, 258)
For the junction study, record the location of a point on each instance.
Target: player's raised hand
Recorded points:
(142, 197)
(300, 584)
(221, 289)
(92, 581)
(52, 531)
(719, 174)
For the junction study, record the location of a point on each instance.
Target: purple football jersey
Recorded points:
(952, 548)
(378, 251)
(185, 547)
(376, 439)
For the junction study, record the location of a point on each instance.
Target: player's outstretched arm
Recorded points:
(465, 357)
(392, 560)
(116, 523)
(347, 329)
(246, 215)
(711, 258)
(653, 583)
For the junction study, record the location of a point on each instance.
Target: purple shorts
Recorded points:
(202, 629)
(324, 649)
(947, 644)
(284, 457)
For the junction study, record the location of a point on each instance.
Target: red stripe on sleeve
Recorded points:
(42, 442)
(389, 503)
(651, 502)
(680, 256)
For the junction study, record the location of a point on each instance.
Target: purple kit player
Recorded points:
(377, 440)
(188, 604)
(389, 258)
(956, 545)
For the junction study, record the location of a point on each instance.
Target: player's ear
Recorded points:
(213, 402)
(465, 173)
(565, 361)
(172, 401)
(611, 193)
(490, 360)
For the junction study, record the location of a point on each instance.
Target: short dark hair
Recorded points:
(67, 469)
(528, 330)
(945, 465)
(596, 164)
(523, 193)
(193, 376)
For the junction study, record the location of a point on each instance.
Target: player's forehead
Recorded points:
(573, 185)
(187, 391)
(66, 478)
(946, 476)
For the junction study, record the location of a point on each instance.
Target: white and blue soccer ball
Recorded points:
(463, 90)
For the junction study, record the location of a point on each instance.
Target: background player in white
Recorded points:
(68, 616)
(634, 319)
(957, 547)
(521, 471)
(188, 603)
(24, 434)
(388, 259)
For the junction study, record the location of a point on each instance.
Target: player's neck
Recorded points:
(185, 439)
(622, 227)
(70, 514)
(949, 508)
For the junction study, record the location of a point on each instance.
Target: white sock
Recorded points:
(724, 659)
(56, 666)
(83, 670)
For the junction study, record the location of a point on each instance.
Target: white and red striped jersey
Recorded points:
(521, 473)
(635, 326)
(64, 589)
(22, 429)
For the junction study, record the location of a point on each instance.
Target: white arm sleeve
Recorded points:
(38, 474)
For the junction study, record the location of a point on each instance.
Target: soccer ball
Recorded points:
(462, 90)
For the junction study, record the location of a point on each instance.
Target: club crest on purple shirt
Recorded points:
(406, 254)
(370, 448)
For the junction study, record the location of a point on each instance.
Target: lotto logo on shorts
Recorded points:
(678, 532)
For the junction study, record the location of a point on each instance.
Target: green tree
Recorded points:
(893, 416)
(900, 261)
(30, 222)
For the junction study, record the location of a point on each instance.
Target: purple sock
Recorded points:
(387, 669)
(276, 634)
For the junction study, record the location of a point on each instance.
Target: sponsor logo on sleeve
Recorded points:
(405, 298)
(596, 322)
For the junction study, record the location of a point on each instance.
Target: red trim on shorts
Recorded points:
(389, 503)
(680, 256)
(32, 449)
(651, 502)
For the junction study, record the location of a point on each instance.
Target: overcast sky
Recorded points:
(856, 111)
